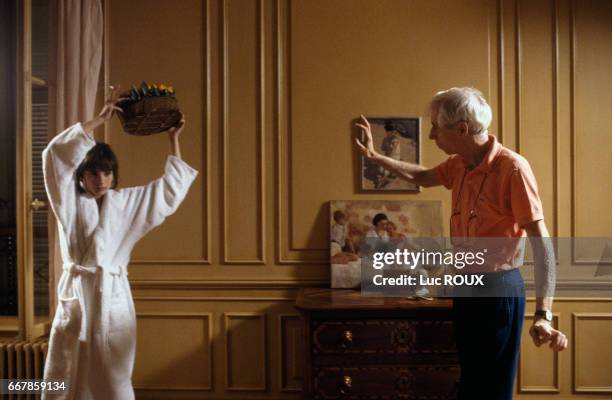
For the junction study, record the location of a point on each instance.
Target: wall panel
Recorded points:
(291, 335)
(170, 343)
(243, 130)
(537, 86)
(538, 370)
(592, 63)
(245, 344)
(593, 361)
(136, 51)
(322, 64)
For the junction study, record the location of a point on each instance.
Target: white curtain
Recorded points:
(78, 59)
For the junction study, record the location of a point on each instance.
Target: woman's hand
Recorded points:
(175, 131)
(110, 106)
(367, 147)
(173, 135)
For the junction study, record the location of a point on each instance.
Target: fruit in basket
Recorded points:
(149, 109)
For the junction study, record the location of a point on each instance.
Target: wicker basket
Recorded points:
(149, 115)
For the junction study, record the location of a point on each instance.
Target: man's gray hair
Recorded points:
(462, 104)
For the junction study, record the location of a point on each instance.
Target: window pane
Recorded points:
(40, 38)
(40, 242)
(8, 230)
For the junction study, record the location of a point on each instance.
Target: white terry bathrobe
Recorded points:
(93, 336)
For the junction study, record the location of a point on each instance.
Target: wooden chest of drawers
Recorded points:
(360, 347)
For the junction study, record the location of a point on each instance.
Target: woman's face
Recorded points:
(98, 183)
(382, 225)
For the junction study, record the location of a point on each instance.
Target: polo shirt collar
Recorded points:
(487, 162)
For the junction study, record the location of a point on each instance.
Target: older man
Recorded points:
(494, 195)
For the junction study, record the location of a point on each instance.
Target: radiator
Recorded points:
(22, 360)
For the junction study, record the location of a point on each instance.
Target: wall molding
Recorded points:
(184, 315)
(500, 71)
(282, 348)
(211, 298)
(555, 119)
(106, 62)
(260, 131)
(573, 140)
(227, 317)
(287, 253)
(577, 387)
(225, 283)
(206, 137)
(573, 121)
(519, 75)
(555, 388)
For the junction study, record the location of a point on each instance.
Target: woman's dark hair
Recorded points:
(100, 158)
(379, 217)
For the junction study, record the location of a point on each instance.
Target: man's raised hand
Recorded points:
(367, 147)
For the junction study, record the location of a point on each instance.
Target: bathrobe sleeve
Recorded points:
(61, 159)
(148, 206)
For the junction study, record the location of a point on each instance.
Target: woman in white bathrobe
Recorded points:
(93, 335)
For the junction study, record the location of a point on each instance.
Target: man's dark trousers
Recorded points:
(488, 333)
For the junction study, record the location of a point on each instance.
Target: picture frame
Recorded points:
(398, 138)
(353, 221)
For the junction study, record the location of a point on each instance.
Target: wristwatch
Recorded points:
(545, 314)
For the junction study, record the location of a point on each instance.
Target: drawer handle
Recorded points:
(402, 384)
(347, 383)
(404, 337)
(347, 338)
(404, 381)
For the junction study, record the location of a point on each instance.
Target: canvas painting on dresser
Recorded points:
(356, 224)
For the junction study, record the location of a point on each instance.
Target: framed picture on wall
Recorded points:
(398, 138)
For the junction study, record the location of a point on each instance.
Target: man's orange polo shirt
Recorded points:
(495, 199)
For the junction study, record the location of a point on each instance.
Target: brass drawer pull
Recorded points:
(402, 337)
(347, 338)
(347, 383)
(402, 384)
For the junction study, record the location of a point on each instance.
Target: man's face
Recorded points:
(98, 183)
(446, 137)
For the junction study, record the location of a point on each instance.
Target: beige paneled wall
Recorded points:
(146, 41)
(243, 129)
(536, 135)
(270, 89)
(592, 55)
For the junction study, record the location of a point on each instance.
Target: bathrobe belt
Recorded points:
(106, 290)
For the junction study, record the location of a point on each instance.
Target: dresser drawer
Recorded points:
(373, 382)
(383, 336)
